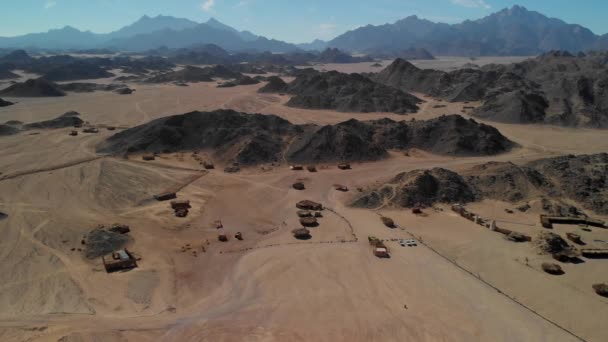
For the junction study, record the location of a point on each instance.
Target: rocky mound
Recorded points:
(4, 103)
(33, 88)
(17, 57)
(581, 178)
(237, 137)
(551, 182)
(76, 71)
(516, 106)
(187, 74)
(6, 73)
(81, 87)
(330, 55)
(275, 85)
(508, 182)
(195, 74)
(418, 188)
(407, 54)
(101, 242)
(69, 119)
(6, 130)
(245, 80)
(415, 54)
(256, 138)
(347, 141)
(346, 93)
(525, 92)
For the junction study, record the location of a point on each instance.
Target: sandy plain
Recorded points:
(461, 283)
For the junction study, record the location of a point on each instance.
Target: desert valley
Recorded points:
(198, 194)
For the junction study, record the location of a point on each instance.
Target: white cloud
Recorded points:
(207, 5)
(49, 3)
(472, 3)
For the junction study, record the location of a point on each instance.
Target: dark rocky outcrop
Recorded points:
(76, 71)
(345, 93)
(275, 85)
(581, 178)
(418, 188)
(255, 138)
(80, 87)
(554, 182)
(101, 242)
(555, 88)
(330, 55)
(195, 74)
(69, 119)
(33, 88)
(4, 103)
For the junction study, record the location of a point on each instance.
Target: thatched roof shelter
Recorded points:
(309, 205)
(388, 222)
(309, 222)
(301, 234)
(554, 269)
(601, 289)
(304, 213)
(341, 187)
(178, 204)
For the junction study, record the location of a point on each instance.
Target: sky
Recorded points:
(295, 21)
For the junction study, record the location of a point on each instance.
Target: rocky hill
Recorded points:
(33, 88)
(6, 73)
(336, 56)
(4, 103)
(418, 188)
(275, 85)
(76, 71)
(256, 138)
(553, 181)
(195, 74)
(523, 92)
(69, 119)
(345, 93)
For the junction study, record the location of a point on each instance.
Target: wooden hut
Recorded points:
(148, 157)
(299, 186)
(119, 260)
(311, 168)
(296, 167)
(344, 166)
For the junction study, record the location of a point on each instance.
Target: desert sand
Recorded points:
(461, 283)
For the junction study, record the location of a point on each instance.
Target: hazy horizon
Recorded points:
(291, 22)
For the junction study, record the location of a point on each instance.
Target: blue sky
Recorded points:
(290, 20)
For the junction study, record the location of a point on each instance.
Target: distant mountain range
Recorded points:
(512, 31)
(150, 33)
